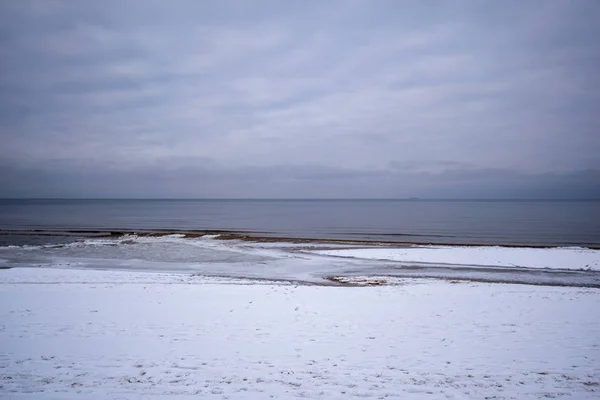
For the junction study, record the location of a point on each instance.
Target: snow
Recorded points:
(121, 334)
(314, 262)
(573, 258)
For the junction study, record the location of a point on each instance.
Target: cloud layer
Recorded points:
(307, 99)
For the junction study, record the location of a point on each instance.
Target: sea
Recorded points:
(485, 222)
(532, 242)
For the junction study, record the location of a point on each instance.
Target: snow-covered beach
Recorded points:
(117, 334)
(313, 262)
(140, 317)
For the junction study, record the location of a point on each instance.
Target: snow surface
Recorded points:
(312, 262)
(551, 258)
(116, 334)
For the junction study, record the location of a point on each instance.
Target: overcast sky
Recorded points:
(126, 98)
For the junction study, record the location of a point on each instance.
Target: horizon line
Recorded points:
(309, 198)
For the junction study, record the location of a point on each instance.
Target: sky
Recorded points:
(306, 99)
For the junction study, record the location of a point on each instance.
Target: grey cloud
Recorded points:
(206, 178)
(311, 97)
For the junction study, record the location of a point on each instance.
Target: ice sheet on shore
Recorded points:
(573, 258)
(312, 262)
(107, 334)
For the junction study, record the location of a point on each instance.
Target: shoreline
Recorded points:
(267, 237)
(303, 260)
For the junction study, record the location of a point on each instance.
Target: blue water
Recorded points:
(551, 223)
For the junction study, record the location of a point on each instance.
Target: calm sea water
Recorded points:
(554, 223)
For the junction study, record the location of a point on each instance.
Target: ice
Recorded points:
(313, 262)
(120, 334)
(574, 258)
